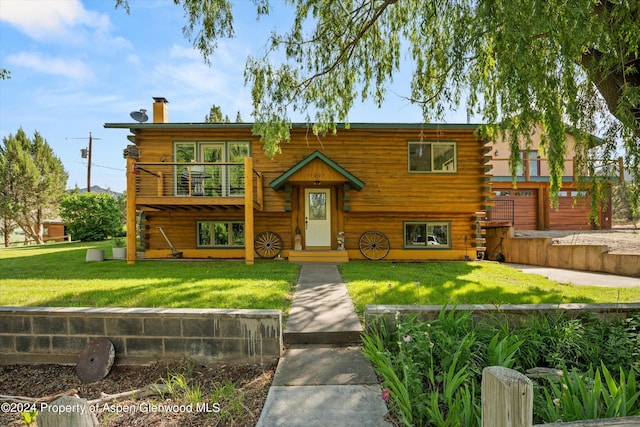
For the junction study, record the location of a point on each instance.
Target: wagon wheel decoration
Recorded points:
(268, 244)
(373, 245)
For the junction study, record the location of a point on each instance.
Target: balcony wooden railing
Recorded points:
(195, 182)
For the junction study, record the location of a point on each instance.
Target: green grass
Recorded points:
(440, 283)
(58, 275)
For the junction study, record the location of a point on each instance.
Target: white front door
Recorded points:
(317, 216)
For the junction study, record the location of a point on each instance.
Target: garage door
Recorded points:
(572, 212)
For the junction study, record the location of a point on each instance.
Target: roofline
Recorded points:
(135, 126)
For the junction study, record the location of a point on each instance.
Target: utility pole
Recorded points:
(86, 154)
(89, 165)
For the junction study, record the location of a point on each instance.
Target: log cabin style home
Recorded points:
(527, 204)
(373, 191)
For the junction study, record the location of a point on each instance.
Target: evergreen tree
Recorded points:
(32, 183)
(215, 115)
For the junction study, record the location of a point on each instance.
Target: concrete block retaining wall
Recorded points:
(140, 335)
(376, 313)
(542, 251)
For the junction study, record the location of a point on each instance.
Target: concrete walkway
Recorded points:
(323, 379)
(579, 278)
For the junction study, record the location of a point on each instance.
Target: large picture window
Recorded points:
(425, 157)
(427, 234)
(220, 234)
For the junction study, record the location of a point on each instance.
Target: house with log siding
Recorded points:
(388, 191)
(525, 203)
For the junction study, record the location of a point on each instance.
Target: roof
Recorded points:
(134, 126)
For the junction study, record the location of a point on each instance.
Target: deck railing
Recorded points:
(194, 180)
(502, 210)
(539, 167)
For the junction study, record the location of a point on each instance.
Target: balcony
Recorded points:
(196, 186)
(538, 170)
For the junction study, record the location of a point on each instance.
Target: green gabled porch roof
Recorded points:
(280, 181)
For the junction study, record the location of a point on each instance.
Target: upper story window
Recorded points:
(533, 165)
(433, 157)
(210, 180)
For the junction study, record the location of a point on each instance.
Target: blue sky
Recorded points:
(76, 65)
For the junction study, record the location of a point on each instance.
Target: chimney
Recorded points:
(160, 110)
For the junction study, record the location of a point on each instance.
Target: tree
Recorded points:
(215, 115)
(91, 216)
(32, 182)
(514, 63)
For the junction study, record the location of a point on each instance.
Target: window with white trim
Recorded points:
(219, 234)
(432, 157)
(427, 234)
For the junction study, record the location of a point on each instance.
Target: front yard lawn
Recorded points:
(58, 275)
(445, 283)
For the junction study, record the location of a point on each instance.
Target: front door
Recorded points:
(317, 217)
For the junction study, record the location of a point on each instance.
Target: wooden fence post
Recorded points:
(507, 398)
(67, 411)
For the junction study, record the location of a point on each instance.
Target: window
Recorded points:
(220, 234)
(432, 157)
(427, 235)
(210, 180)
(534, 163)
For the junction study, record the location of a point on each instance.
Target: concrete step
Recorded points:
(307, 365)
(322, 337)
(333, 257)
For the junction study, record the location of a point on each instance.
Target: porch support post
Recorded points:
(248, 211)
(131, 212)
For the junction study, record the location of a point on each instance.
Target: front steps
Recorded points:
(337, 338)
(327, 256)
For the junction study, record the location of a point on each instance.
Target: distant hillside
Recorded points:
(97, 189)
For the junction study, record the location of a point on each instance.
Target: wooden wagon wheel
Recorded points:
(268, 244)
(373, 245)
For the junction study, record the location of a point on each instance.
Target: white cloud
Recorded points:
(183, 52)
(70, 68)
(133, 59)
(44, 19)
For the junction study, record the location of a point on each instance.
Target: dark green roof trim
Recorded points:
(340, 126)
(280, 181)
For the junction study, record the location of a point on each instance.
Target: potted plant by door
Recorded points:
(119, 250)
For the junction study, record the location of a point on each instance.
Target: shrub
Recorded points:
(90, 216)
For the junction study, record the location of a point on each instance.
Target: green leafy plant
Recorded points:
(502, 352)
(399, 396)
(28, 418)
(91, 216)
(428, 383)
(586, 396)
